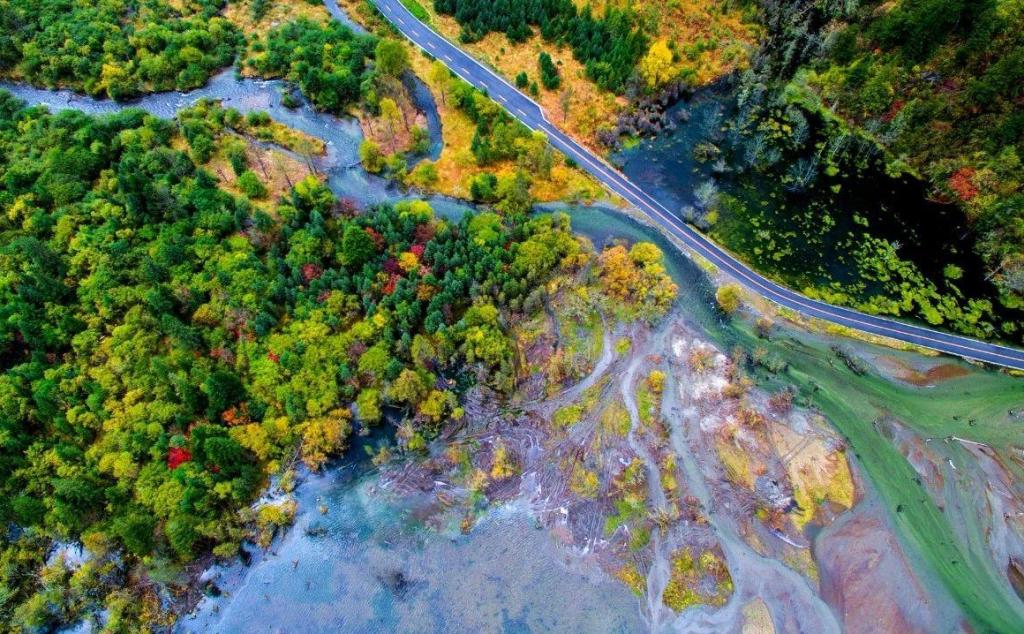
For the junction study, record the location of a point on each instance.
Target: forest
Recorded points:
(166, 345)
(609, 45)
(327, 62)
(940, 84)
(117, 48)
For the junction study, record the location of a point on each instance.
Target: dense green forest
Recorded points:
(609, 45)
(116, 48)
(165, 346)
(327, 62)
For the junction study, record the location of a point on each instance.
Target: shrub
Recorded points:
(251, 185)
(548, 72)
(729, 298)
(371, 156)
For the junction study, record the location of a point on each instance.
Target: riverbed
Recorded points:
(368, 564)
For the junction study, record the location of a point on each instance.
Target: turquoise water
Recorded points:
(369, 564)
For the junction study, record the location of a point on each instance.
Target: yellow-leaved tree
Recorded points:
(325, 436)
(656, 66)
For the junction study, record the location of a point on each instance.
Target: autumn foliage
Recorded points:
(637, 277)
(177, 456)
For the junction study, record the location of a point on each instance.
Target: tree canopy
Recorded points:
(115, 48)
(166, 345)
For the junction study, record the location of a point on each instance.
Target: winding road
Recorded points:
(531, 115)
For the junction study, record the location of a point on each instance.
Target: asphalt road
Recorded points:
(531, 115)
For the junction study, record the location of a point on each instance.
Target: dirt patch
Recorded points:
(921, 378)
(867, 580)
(276, 169)
(818, 472)
(757, 619)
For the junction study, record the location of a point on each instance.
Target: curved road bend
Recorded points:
(531, 115)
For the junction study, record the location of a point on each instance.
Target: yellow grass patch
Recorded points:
(817, 474)
(278, 12)
(578, 106)
(630, 576)
(456, 166)
(274, 161)
(288, 138)
(801, 561)
(736, 463)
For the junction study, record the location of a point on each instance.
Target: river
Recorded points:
(368, 564)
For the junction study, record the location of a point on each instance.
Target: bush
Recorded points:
(484, 188)
(729, 298)
(420, 140)
(237, 158)
(548, 72)
(251, 185)
(371, 157)
(424, 175)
